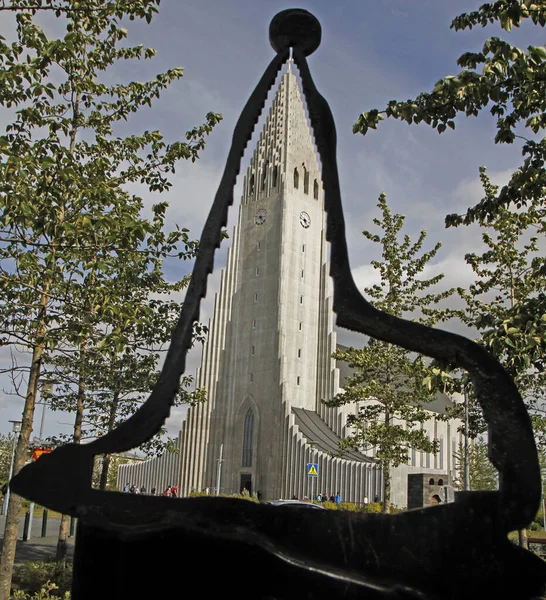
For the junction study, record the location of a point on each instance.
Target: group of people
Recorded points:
(171, 491)
(323, 498)
(332, 498)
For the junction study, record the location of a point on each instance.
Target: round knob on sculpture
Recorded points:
(295, 28)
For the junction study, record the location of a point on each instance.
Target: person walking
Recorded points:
(338, 498)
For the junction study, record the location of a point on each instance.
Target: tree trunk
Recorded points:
(523, 540)
(62, 544)
(387, 468)
(386, 488)
(107, 457)
(12, 518)
(106, 460)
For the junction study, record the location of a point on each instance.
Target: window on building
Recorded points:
(315, 189)
(275, 175)
(254, 324)
(303, 248)
(298, 380)
(256, 297)
(264, 175)
(252, 350)
(427, 460)
(301, 299)
(305, 180)
(257, 270)
(251, 187)
(302, 272)
(300, 325)
(259, 245)
(296, 178)
(299, 352)
(248, 438)
(251, 378)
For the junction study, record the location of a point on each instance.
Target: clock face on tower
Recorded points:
(305, 220)
(260, 217)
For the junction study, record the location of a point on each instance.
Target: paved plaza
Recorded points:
(37, 548)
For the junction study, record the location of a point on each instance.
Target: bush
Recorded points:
(347, 506)
(42, 594)
(396, 509)
(35, 577)
(372, 507)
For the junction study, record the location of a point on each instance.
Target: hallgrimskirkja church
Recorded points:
(267, 362)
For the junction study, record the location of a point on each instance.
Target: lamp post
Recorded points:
(219, 469)
(16, 427)
(466, 457)
(312, 451)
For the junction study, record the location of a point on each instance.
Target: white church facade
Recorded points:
(267, 363)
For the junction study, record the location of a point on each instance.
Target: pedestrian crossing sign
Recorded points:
(312, 469)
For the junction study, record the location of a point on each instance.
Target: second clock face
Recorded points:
(260, 217)
(305, 220)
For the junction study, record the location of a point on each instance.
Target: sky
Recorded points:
(371, 52)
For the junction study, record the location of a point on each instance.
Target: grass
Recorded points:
(38, 511)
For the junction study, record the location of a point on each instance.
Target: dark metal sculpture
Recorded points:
(136, 546)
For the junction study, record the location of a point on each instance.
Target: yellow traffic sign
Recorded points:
(312, 469)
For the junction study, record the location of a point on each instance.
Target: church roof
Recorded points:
(315, 430)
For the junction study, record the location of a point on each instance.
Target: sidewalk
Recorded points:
(37, 548)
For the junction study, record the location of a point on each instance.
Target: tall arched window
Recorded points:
(296, 178)
(264, 174)
(248, 438)
(275, 174)
(315, 189)
(251, 186)
(305, 180)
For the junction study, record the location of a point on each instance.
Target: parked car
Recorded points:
(295, 503)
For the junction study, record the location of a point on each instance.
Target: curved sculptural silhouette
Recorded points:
(407, 555)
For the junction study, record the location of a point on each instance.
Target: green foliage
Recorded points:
(35, 578)
(483, 475)
(81, 270)
(373, 507)
(6, 449)
(47, 592)
(82, 286)
(508, 82)
(387, 381)
(115, 462)
(538, 522)
(507, 304)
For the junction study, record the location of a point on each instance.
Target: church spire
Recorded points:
(285, 149)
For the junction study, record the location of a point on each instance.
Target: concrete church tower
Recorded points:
(267, 361)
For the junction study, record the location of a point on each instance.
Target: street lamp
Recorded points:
(219, 469)
(16, 427)
(312, 452)
(466, 444)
